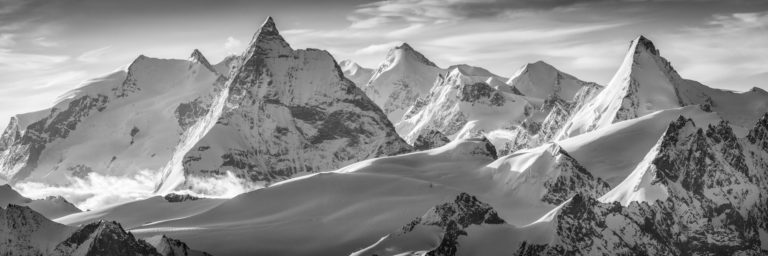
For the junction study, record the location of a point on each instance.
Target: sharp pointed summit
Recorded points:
(267, 38)
(403, 76)
(198, 57)
(318, 120)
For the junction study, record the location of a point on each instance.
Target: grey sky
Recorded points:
(48, 47)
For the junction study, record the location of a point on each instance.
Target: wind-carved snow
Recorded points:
(283, 113)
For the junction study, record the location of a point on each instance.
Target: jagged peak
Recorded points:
(642, 42)
(267, 36)
(759, 133)
(269, 27)
(198, 57)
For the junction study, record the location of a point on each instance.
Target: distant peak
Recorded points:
(404, 45)
(539, 65)
(409, 52)
(642, 42)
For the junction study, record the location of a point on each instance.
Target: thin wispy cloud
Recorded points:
(94, 55)
(13, 61)
(378, 48)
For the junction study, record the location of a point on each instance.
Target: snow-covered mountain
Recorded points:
(51, 207)
(118, 124)
(283, 113)
(359, 75)
(462, 105)
(646, 82)
(403, 77)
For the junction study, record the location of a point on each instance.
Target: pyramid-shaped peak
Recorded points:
(408, 51)
(269, 26)
(642, 42)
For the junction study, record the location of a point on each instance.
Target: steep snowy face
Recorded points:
(404, 76)
(284, 112)
(541, 80)
(462, 105)
(646, 82)
(26, 232)
(359, 75)
(118, 124)
(103, 238)
(699, 191)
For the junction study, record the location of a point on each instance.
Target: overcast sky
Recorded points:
(49, 47)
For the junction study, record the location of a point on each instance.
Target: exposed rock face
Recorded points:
(103, 238)
(285, 112)
(175, 198)
(26, 232)
(51, 207)
(713, 201)
(450, 219)
(429, 140)
(167, 246)
(572, 179)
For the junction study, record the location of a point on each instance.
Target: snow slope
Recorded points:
(137, 213)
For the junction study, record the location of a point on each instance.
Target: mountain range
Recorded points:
(408, 158)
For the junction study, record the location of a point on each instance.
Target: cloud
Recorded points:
(98, 190)
(44, 42)
(64, 78)
(6, 40)
(94, 55)
(95, 190)
(730, 46)
(232, 44)
(378, 48)
(14, 61)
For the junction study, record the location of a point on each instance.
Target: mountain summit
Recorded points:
(283, 113)
(646, 82)
(404, 76)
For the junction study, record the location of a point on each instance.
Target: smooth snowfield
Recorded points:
(142, 212)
